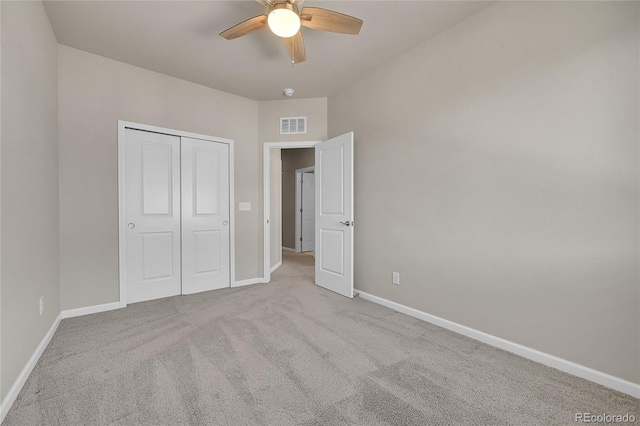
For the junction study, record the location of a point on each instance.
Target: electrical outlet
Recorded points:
(244, 206)
(41, 305)
(396, 278)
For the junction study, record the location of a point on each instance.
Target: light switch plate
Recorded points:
(244, 206)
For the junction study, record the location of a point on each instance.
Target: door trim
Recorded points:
(266, 198)
(299, 173)
(122, 266)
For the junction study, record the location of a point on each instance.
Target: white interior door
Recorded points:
(205, 215)
(334, 214)
(152, 215)
(308, 222)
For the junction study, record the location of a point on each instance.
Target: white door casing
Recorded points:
(334, 214)
(308, 215)
(152, 215)
(205, 215)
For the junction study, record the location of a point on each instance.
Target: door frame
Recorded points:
(122, 265)
(299, 173)
(266, 198)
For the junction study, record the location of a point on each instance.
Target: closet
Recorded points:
(174, 214)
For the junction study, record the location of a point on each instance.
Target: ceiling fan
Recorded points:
(285, 18)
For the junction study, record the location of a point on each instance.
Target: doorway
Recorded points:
(176, 224)
(333, 208)
(271, 163)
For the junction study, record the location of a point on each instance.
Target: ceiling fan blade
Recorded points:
(265, 2)
(247, 27)
(298, 3)
(328, 20)
(295, 47)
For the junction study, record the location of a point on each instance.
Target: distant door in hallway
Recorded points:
(308, 214)
(334, 214)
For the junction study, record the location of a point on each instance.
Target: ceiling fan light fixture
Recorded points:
(283, 20)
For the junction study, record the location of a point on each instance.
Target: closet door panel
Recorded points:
(152, 215)
(205, 215)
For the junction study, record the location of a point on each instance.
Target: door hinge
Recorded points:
(300, 238)
(300, 210)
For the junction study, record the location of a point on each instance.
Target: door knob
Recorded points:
(225, 223)
(346, 223)
(131, 225)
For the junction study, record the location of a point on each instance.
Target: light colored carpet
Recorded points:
(289, 352)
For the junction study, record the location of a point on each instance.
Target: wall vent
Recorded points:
(293, 125)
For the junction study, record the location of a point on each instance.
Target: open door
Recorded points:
(334, 214)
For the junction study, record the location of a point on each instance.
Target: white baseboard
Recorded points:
(590, 374)
(288, 249)
(248, 282)
(24, 374)
(71, 313)
(276, 266)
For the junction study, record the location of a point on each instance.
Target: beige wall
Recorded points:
(29, 192)
(292, 160)
(95, 93)
(496, 168)
(269, 113)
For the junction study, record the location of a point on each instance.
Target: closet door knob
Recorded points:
(225, 223)
(131, 225)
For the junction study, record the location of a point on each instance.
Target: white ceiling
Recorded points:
(180, 39)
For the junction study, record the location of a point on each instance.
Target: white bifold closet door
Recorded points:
(205, 215)
(176, 215)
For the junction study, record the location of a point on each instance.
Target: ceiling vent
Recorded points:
(293, 125)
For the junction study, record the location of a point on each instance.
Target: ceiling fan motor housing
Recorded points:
(284, 5)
